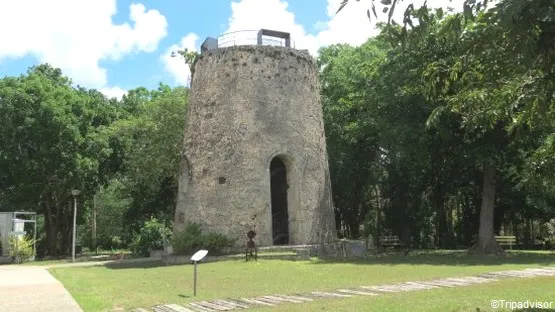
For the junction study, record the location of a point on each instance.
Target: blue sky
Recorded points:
(119, 45)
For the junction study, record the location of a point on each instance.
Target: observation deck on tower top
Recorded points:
(248, 37)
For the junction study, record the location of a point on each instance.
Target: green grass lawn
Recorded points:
(466, 299)
(87, 256)
(130, 286)
(46, 262)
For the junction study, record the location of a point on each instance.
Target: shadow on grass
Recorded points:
(147, 264)
(135, 265)
(444, 257)
(451, 258)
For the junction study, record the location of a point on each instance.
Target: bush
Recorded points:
(116, 242)
(106, 242)
(550, 244)
(154, 235)
(192, 239)
(21, 249)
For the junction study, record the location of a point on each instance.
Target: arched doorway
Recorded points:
(280, 215)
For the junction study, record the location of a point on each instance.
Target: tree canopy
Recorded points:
(440, 130)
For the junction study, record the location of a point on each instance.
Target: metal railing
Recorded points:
(249, 37)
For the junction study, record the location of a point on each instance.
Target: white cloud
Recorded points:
(269, 14)
(76, 35)
(350, 26)
(175, 65)
(113, 92)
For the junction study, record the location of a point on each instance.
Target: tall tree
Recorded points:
(151, 139)
(50, 144)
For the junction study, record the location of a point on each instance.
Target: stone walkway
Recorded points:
(274, 300)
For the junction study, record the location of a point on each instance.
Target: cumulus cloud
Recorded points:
(174, 64)
(350, 26)
(76, 35)
(113, 92)
(269, 14)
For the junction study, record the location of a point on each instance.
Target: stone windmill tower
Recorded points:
(255, 149)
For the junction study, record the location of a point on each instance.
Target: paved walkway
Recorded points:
(277, 299)
(33, 289)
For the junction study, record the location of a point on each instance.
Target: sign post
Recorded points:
(199, 255)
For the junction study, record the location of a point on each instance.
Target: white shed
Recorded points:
(13, 223)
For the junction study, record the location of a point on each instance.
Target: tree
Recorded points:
(481, 81)
(151, 140)
(50, 144)
(351, 139)
(470, 80)
(469, 7)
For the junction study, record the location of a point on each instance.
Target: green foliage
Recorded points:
(51, 143)
(150, 142)
(351, 129)
(116, 243)
(190, 58)
(154, 235)
(123, 155)
(193, 239)
(21, 249)
(112, 204)
(409, 128)
(412, 117)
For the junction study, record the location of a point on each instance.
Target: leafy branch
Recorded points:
(190, 58)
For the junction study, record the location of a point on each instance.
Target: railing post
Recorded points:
(284, 38)
(259, 38)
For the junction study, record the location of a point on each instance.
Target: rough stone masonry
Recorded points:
(255, 149)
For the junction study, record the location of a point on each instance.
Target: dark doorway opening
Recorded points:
(280, 216)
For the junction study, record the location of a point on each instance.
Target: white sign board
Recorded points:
(199, 255)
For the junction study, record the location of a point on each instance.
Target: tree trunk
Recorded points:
(529, 238)
(93, 224)
(354, 227)
(51, 230)
(516, 231)
(444, 235)
(59, 227)
(486, 241)
(68, 234)
(377, 229)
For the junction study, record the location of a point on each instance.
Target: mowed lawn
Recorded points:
(461, 299)
(130, 286)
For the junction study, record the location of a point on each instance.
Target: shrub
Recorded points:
(116, 242)
(550, 244)
(153, 235)
(189, 239)
(21, 249)
(192, 239)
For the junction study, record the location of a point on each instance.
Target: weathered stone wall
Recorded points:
(247, 105)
